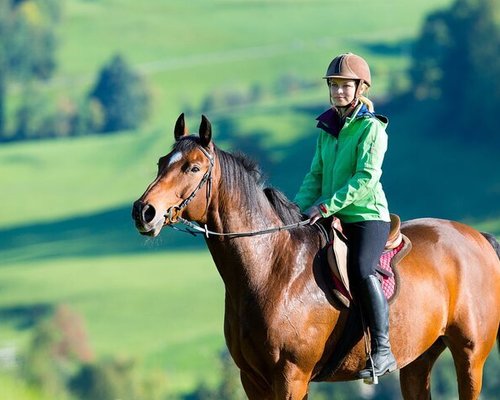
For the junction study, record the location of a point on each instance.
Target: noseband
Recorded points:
(207, 178)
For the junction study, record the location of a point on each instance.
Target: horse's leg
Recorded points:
(469, 362)
(253, 390)
(291, 383)
(415, 378)
(284, 388)
(296, 390)
(291, 390)
(470, 340)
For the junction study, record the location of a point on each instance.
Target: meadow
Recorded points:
(190, 49)
(141, 307)
(66, 236)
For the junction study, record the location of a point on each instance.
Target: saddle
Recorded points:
(396, 248)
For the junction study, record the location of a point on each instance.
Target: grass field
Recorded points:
(164, 311)
(229, 43)
(66, 236)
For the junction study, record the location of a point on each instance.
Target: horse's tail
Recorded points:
(494, 242)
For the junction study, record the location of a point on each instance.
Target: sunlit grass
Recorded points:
(13, 388)
(163, 310)
(189, 48)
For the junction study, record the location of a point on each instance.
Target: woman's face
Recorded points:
(342, 91)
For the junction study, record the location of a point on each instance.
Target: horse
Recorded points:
(281, 324)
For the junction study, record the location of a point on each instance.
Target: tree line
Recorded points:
(453, 69)
(119, 99)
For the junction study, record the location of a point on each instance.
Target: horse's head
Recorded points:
(182, 187)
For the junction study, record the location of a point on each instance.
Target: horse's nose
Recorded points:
(143, 212)
(136, 210)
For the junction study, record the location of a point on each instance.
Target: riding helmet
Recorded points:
(349, 66)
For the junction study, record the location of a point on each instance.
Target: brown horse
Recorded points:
(282, 326)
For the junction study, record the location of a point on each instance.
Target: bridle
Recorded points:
(197, 230)
(207, 178)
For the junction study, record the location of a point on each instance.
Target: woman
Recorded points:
(344, 181)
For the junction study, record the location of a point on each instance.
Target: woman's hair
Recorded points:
(366, 100)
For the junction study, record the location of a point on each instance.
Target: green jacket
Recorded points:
(344, 178)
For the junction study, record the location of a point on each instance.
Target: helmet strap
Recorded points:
(352, 105)
(350, 108)
(358, 89)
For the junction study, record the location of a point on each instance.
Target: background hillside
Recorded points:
(254, 68)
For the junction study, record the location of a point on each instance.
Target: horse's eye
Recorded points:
(195, 169)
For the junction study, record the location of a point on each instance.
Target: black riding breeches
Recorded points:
(366, 242)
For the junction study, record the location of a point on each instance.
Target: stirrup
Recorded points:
(372, 380)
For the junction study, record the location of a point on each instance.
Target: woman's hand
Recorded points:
(314, 214)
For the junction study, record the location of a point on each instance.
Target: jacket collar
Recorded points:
(331, 122)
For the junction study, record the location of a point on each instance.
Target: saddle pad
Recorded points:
(386, 272)
(388, 278)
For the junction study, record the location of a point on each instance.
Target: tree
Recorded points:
(455, 65)
(229, 388)
(123, 95)
(27, 43)
(58, 345)
(106, 380)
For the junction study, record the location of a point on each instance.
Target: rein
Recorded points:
(205, 231)
(197, 230)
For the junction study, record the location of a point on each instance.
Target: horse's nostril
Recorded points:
(148, 213)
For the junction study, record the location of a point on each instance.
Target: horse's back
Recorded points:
(452, 241)
(458, 254)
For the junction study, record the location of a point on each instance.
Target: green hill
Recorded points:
(188, 49)
(66, 236)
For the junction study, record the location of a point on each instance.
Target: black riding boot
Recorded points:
(376, 311)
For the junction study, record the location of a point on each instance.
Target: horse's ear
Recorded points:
(180, 129)
(205, 131)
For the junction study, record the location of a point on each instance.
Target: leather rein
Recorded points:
(197, 230)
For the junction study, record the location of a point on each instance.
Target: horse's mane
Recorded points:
(242, 173)
(238, 170)
(243, 177)
(288, 211)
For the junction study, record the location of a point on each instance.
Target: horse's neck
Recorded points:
(244, 263)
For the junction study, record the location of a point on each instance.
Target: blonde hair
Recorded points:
(365, 100)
